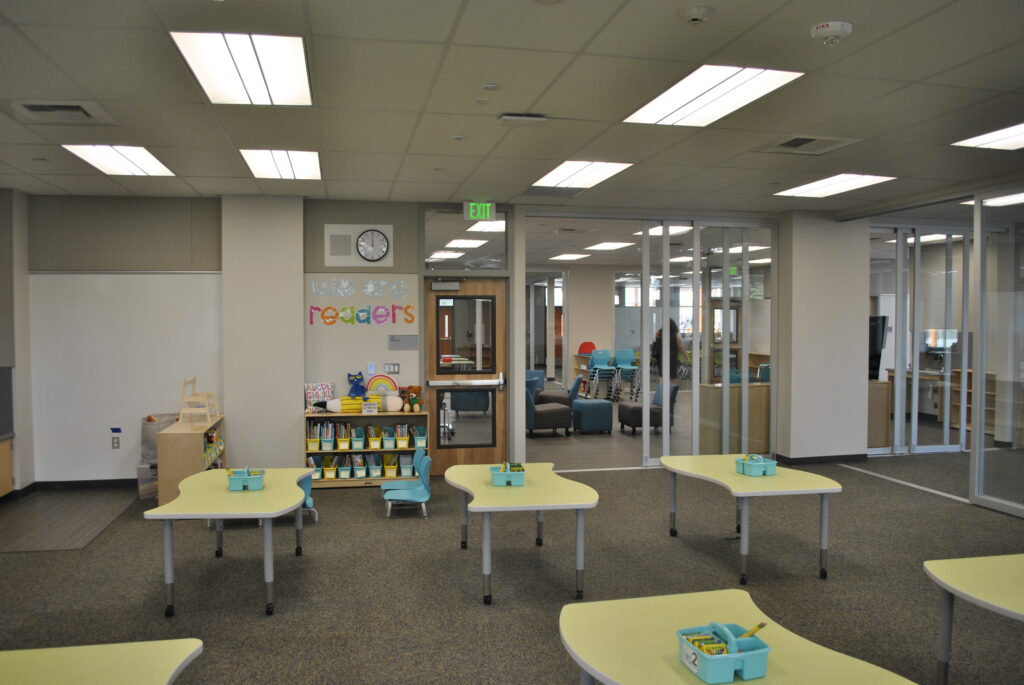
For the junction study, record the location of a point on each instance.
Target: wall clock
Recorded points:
(372, 245)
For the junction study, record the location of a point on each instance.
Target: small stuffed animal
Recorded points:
(357, 389)
(414, 402)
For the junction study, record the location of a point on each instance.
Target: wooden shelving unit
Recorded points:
(181, 451)
(954, 400)
(417, 418)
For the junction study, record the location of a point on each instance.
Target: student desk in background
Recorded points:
(126, 663)
(633, 642)
(993, 583)
(205, 495)
(544, 490)
(721, 470)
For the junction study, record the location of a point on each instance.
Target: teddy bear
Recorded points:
(413, 398)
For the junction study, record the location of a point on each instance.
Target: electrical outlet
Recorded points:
(115, 443)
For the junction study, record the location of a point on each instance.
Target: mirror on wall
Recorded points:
(465, 335)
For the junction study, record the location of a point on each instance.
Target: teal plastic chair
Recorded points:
(417, 465)
(418, 493)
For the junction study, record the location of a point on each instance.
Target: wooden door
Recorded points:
(466, 341)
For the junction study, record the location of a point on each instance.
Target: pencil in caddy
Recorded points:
(755, 465)
(718, 652)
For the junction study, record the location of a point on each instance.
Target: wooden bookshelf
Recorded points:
(181, 451)
(954, 400)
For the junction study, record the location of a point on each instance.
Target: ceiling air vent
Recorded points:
(66, 113)
(551, 192)
(808, 145)
(521, 119)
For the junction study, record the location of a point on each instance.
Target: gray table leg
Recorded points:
(672, 506)
(464, 512)
(268, 562)
(744, 537)
(738, 507)
(219, 552)
(579, 553)
(487, 557)
(298, 532)
(823, 554)
(540, 528)
(945, 637)
(169, 566)
(586, 678)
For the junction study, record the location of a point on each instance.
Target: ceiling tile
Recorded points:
(710, 146)
(565, 26)
(373, 75)
(43, 159)
(663, 199)
(960, 163)
(648, 177)
(97, 13)
(959, 32)
(654, 30)
(358, 190)
(964, 123)
(866, 157)
(270, 128)
(149, 66)
(87, 135)
(599, 88)
(214, 187)
(30, 75)
(502, 171)
(435, 131)
(633, 142)
(13, 132)
(273, 186)
(437, 168)
(554, 139)
(486, 192)
(28, 184)
(522, 74)
(762, 160)
(376, 132)
(602, 197)
(384, 19)
(713, 179)
(423, 192)
(157, 186)
(999, 70)
(274, 17)
(203, 161)
(175, 124)
(359, 166)
(85, 185)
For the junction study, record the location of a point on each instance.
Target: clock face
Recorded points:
(372, 245)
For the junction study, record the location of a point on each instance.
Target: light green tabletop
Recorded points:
(206, 495)
(131, 663)
(544, 489)
(995, 583)
(721, 469)
(634, 641)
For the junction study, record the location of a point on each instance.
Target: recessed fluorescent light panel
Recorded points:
(710, 93)
(609, 246)
(120, 160)
(488, 227)
(1003, 201)
(672, 230)
(681, 259)
(737, 249)
(465, 243)
(581, 174)
(569, 257)
(1011, 138)
(443, 254)
(834, 185)
(284, 164)
(247, 69)
(763, 260)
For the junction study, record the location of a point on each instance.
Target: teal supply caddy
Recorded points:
(755, 465)
(746, 657)
(245, 479)
(509, 473)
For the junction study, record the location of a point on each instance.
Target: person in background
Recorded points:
(675, 344)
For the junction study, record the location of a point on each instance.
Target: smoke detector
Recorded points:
(831, 32)
(696, 14)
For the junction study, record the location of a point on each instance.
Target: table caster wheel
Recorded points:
(738, 528)
(487, 599)
(464, 545)
(743, 579)
(298, 551)
(219, 552)
(540, 542)
(579, 594)
(823, 573)
(169, 610)
(270, 609)
(673, 532)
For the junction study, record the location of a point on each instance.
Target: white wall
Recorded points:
(262, 300)
(106, 350)
(822, 329)
(589, 307)
(23, 445)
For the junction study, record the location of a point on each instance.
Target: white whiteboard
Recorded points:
(350, 342)
(107, 349)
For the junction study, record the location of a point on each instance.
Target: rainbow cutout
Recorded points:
(381, 382)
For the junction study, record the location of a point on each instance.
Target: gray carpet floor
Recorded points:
(379, 601)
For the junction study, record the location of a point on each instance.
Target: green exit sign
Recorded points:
(478, 211)
(734, 271)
